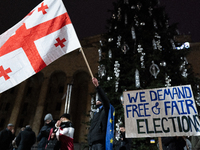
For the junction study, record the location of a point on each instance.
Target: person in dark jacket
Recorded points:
(97, 132)
(14, 141)
(25, 139)
(124, 143)
(45, 130)
(173, 143)
(6, 137)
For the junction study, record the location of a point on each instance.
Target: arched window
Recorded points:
(7, 102)
(30, 100)
(55, 93)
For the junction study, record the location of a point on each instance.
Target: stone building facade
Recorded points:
(28, 102)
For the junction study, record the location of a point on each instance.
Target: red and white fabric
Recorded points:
(43, 36)
(65, 136)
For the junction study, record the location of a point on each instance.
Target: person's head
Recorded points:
(65, 117)
(10, 126)
(98, 102)
(48, 118)
(122, 128)
(28, 126)
(52, 135)
(23, 128)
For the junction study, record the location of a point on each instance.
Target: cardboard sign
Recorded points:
(161, 112)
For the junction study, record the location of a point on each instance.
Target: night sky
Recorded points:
(89, 16)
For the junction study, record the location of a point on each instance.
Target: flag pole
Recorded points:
(86, 62)
(160, 143)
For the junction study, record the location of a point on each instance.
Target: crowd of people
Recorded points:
(53, 134)
(58, 135)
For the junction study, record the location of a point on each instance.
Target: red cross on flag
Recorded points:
(43, 36)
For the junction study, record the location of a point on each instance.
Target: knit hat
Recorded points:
(28, 126)
(121, 125)
(99, 100)
(10, 125)
(65, 115)
(48, 117)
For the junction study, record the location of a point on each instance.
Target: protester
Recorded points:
(44, 132)
(53, 143)
(97, 132)
(25, 139)
(195, 140)
(6, 137)
(188, 145)
(65, 132)
(14, 141)
(124, 143)
(173, 143)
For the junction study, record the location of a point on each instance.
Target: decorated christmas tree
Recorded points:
(139, 51)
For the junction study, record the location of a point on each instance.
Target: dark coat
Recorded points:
(25, 139)
(97, 132)
(123, 143)
(44, 134)
(173, 143)
(6, 138)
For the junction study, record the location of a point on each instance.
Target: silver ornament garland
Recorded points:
(136, 21)
(119, 41)
(173, 44)
(137, 78)
(142, 23)
(118, 133)
(110, 39)
(198, 96)
(167, 81)
(101, 71)
(155, 24)
(109, 78)
(133, 33)
(163, 64)
(100, 54)
(140, 51)
(156, 43)
(150, 11)
(116, 72)
(183, 68)
(109, 53)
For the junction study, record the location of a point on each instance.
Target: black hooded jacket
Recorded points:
(97, 132)
(25, 139)
(6, 138)
(44, 134)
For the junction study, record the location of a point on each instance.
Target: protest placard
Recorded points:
(161, 112)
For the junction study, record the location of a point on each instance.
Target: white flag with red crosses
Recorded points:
(43, 36)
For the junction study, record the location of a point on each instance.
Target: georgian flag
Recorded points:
(43, 36)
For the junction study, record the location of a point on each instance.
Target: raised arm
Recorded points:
(101, 93)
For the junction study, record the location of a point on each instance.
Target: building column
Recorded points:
(18, 101)
(40, 106)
